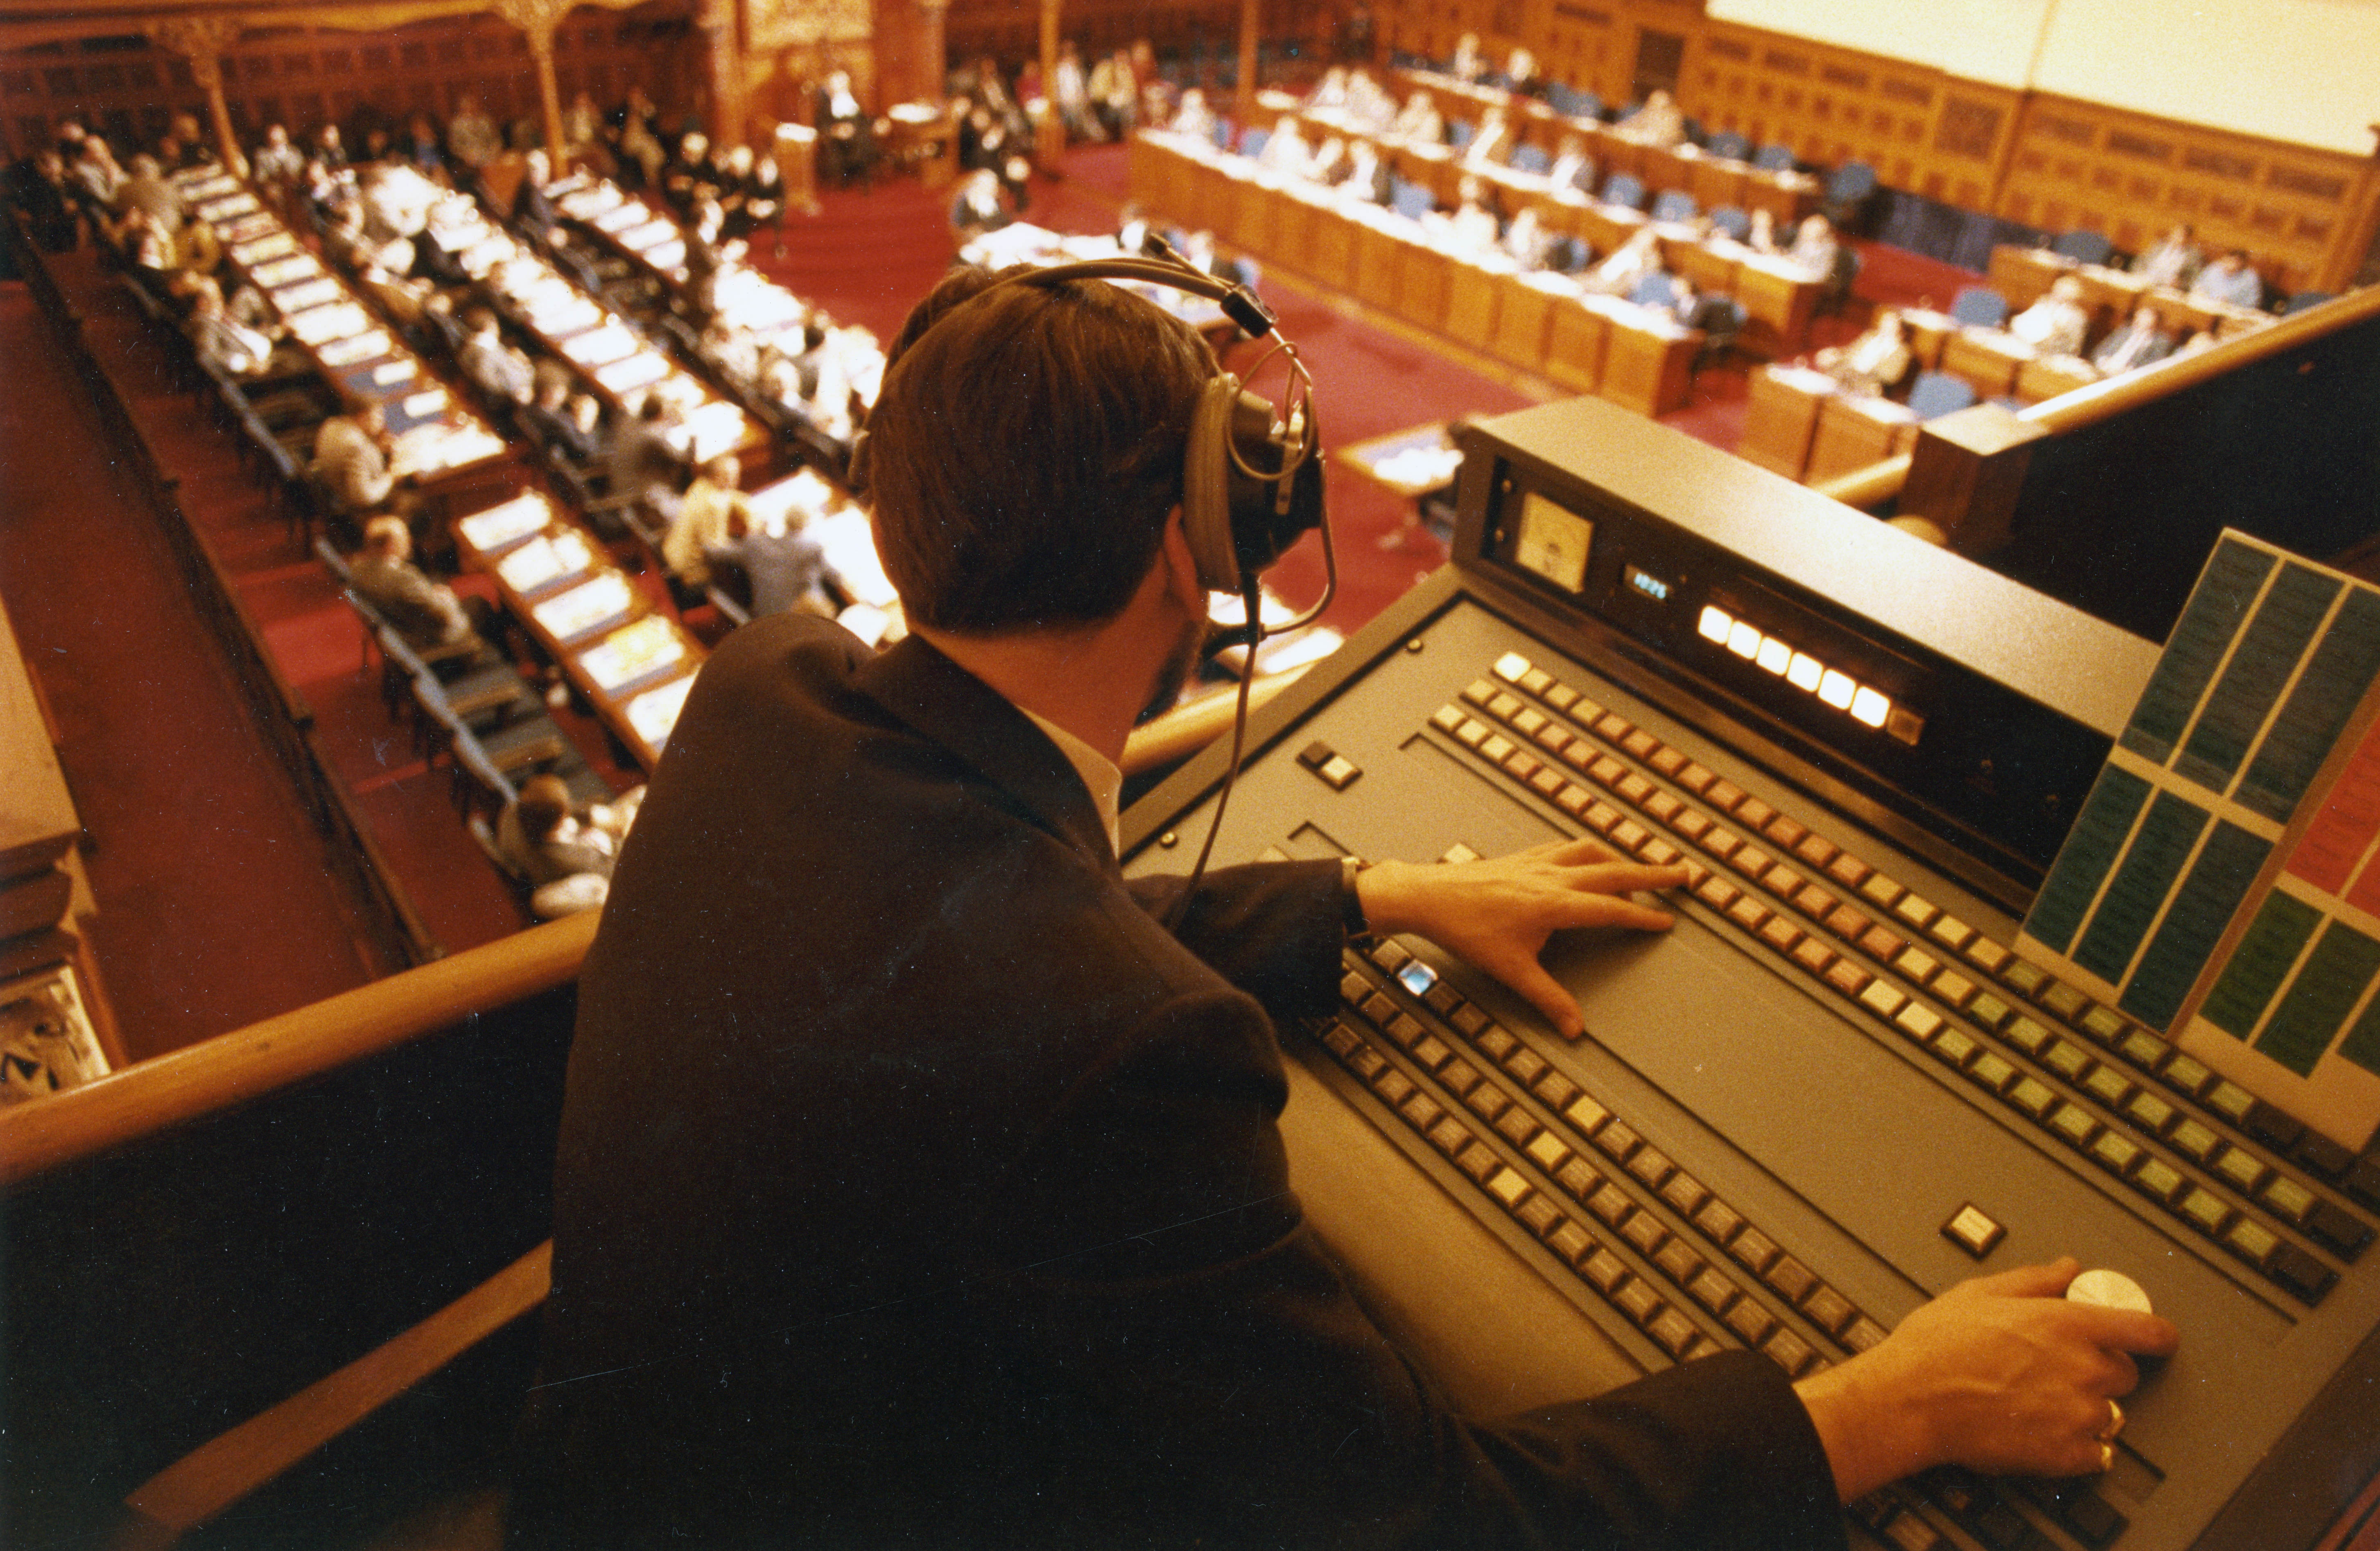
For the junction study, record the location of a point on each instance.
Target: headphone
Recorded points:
(1252, 474)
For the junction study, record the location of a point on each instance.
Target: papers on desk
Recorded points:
(437, 446)
(604, 601)
(275, 245)
(601, 346)
(850, 550)
(363, 348)
(544, 561)
(209, 186)
(912, 113)
(249, 227)
(647, 234)
(632, 652)
(225, 208)
(1420, 467)
(388, 374)
(640, 370)
(320, 325)
(620, 218)
(425, 403)
(281, 272)
(586, 204)
(304, 294)
(654, 713)
(1807, 380)
(500, 527)
(714, 429)
(668, 257)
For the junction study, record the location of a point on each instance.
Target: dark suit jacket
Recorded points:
(917, 1188)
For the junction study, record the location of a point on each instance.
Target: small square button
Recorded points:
(1972, 1231)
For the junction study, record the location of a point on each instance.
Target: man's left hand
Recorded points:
(1497, 914)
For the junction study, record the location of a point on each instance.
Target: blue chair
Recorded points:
(1979, 306)
(1622, 188)
(1460, 132)
(1569, 255)
(1222, 134)
(1559, 97)
(1721, 318)
(1652, 290)
(1848, 192)
(1731, 221)
(1253, 141)
(1774, 158)
(1731, 145)
(1410, 199)
(1675, 205)
(1588, 104)
(2305, 299)
(2083, 248)
(1939, 392)
(1532, 159)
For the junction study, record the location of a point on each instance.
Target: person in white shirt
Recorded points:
(1492, 146)
(1419, 121)
(1195, 118)
(1367, 177)
(1328, 164)
(276, 161)
(1573, 168)
(501, 371)
(1815, 248)
(1371, 108)
(2142, 342)
(1526, 239)
(1332, 92)
(1659, 122)
(1874, 361)
(1468, 63)
(1285, 150)
(1072, 90)
(2172, 261)
(2057, 323)
(1473, 225)
(2230, 278)
(1630, 262)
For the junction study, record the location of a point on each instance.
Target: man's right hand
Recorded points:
(1999, 1373)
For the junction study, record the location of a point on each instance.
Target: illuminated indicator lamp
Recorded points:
(1714, 625)
(1773, 655)
(1869, 707)
(1743, 640)
(1417, 978)
(1835, 689)
(1804, 672)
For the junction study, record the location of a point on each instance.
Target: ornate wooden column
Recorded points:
(537, 20)
(201, 40)
(724, 69)
(1247, 95)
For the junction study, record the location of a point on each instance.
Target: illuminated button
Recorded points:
(1495, 749)
(1445, 719)
(1993, 1073)
(1548, 1152)
(1918, 964)
(1921, 1021)
(1509, 1187)
(1951, 932)
(2033, 1096)
(1573, 1243)
(1512, 667)
(2074, 1124)
(1974, 1231)
(2159, 1180)
(1814, 955)
(1918, 913)
(1848, 978)
(1883, 999)
(1340, 772)
(1583, 711)
(1835, 689)
(1882, 889)
(1606, 771)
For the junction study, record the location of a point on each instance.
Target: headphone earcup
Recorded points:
(1207, 479)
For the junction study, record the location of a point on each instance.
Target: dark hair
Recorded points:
(1026, 449)
(544, 802)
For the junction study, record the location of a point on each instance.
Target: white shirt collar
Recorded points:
(1100, 777)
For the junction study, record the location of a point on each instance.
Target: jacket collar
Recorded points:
(945, 703)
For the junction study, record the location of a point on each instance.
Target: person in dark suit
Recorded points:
(918, 1181)
(2142, 341)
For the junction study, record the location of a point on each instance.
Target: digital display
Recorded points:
(1648, 583)
(1553, 542)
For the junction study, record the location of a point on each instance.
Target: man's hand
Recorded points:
(1499, 914)
(1999, 1373)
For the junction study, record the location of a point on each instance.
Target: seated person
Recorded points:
(981, 206)
(1814, 250)
(1367, 177)
(401, 298)
(1572, 167)
(545, 842)
(1527, 241)
(645, 466)
(1469, 64)
(1492, 146)
(1761, 234)
(499, 371)
(2230, 278)
(547, 417)
(1332, 92)
(472, 138)
(764, 197)
(2140, 342)
(702, 521)
(2057, 323)
(783, 566)
(730, 347)
(428, 614)
(1419, 121)
(1285, 150)
(235, 348)
(846, 144)
(1330, 163)
(1876, 361)
(532, 213)
(351, 455)
(1473, 227)
(2173, 261)
(1521, 77)
(1371, 107)
(1195, 118)
(1617, 276)
(276, 162)
(144, 244)
(1658, 123)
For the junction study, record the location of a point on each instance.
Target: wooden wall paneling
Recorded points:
(2080, 164)
(1198, 35)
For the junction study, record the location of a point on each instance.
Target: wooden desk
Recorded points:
(1648, 364)
(1474, 293)
(1928, 331)
(1424, 277)
(1780, 416)
(2049, 376)
(1420, 466)
(630, 662)
(1524, 317)
(1986, 358)
(1579, 338)
(1778, 303)
(1855, 430)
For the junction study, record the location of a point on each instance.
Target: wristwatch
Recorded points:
(1351, 898)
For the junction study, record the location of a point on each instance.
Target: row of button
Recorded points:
(1569, 1170)
(1916, 939)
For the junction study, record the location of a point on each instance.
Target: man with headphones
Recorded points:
(918, 1181)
